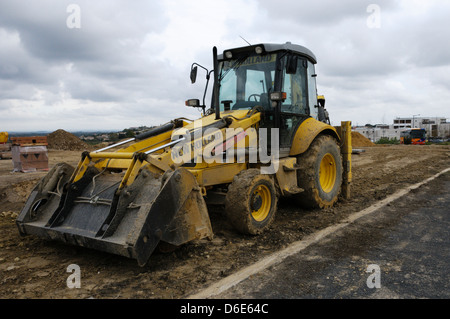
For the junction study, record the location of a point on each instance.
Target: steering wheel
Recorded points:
(255, 96)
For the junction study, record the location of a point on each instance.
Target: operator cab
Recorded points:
(279, 78)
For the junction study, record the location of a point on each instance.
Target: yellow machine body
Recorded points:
(130, 197)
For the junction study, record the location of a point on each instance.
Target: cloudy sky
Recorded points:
(114, 64)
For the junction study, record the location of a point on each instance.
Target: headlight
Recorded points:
(193, 103)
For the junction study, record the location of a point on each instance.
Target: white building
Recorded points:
(376, 132)
(434, 126)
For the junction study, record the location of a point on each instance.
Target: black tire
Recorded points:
(251, 202)
(320, 173)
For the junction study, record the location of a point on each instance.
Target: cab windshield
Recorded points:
(247, 81)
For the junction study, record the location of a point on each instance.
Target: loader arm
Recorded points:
(156, 155)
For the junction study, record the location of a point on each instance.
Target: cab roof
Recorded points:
(273, 47)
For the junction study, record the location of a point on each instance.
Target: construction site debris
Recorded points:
(358, 140)
(5, 147)
(29, 141)
(5, 151)
(29, 154)
(62, 140)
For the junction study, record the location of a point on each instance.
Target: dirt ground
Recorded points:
(31, 267)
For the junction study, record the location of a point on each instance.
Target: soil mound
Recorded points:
(62, 140)
(359, 140)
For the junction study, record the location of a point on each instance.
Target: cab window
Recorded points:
(246, 82)
(296, 91)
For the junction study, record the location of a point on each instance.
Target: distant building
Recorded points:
(103, 137)
(378, 131)
(434, 126)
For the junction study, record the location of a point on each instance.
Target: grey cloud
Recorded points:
(115, 59)
(324, 13)
(104, 52)
(44, 32)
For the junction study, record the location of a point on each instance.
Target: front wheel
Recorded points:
(251, 202)
(320, 173)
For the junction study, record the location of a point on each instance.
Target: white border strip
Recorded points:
(277, 257)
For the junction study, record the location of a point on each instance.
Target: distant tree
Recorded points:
(128, 133)
(387, 140)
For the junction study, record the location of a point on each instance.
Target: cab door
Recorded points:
(301, 99)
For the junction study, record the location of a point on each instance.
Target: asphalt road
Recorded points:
(400, 251)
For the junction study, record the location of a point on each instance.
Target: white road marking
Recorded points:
(277, 257)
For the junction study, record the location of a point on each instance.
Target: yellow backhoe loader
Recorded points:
(265, 135)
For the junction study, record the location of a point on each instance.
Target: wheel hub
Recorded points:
(256, 202)
(327, 174)
(260, 203)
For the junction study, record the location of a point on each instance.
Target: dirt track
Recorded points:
(34, 268)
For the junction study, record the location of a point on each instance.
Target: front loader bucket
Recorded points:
(93, 213)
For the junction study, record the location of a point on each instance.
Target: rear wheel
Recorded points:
(320, 173)
(251, 202)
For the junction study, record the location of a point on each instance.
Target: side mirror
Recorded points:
(291, 64)
(194, 74)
